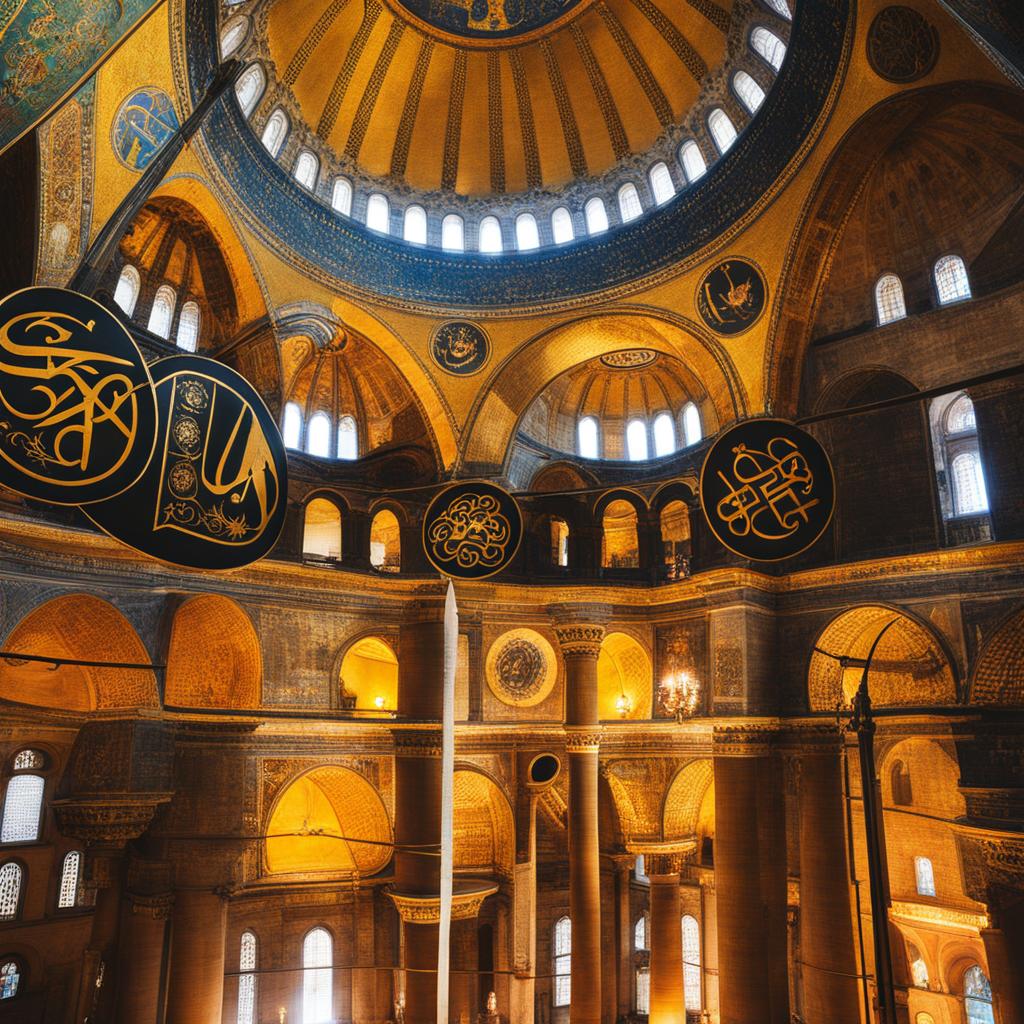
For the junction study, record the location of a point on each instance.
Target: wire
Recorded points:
(420, 850)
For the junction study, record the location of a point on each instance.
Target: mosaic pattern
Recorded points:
(144, 122)
(902, 45)
(488, 19)
(521, 668)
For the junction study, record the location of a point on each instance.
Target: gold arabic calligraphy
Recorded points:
(472, 531)
(770, 493)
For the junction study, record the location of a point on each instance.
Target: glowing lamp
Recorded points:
(623, 705)
(378, 703)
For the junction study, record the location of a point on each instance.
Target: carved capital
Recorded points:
(427, 909)
(107, 819)
(665, 858)
(580, 641)
(582, 741)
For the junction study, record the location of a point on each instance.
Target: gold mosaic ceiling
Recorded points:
(485, 112)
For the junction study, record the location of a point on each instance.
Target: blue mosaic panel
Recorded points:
(488, 19)
(144, 122)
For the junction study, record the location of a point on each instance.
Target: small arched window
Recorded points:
(620, 541)
(951, 281)
(70, 873)
(889, 302)
(527, 235)
(629, 203)
(692, 430)
(918, 968)
(490, 235)
(663, 188)
(768, 46)
(126, 294)
(636, 441)
(587, 439)
(275, 131)
(162, 313)
(378, 214)
(559, 543)
(596, 216)
(307, 167)
(10, 978)
(341, 196)
(675, 539)
(249, 88)
(723, 131)
(11, 877)
(188, 327)
(453, 233)
(640, 934)
(750, 93)
(924, 876)
(247, 979)
(693, 162)
(781, 8)
(385, 542)
(902, 792)
(691, 965)
(292, 432)
(318, 437)
(664, 435)
(563, 961)
(414, 225)
(317, 977)
(969, 494)
(960, 418)
(348, 438)
(978, 997)
(231, 38)
(321, 529)
(561, 226)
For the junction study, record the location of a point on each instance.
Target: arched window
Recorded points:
(67, 896)
(527, 235)
(951, 281)
(781, 8)
(348, 438)
(318, 437)
(292, 432)
(490, 235)
(321, 529)
(723, 131)
(385, 542)
(640, 869)
(188, 327)
(924, 876)
(692, 430)
(249, 88)
(959, 469)
(126, 294)
(596, 216)
(10, 890)
(629, 203)
(750, 93)
(231, 38)
(561, 226)
(969, 494)
(675, 539)
(23, 809)
(693, 162)
(918, 968)
(643, 990)
(453, 233)
(960, 417)
(306, 169)
(26, 760)
(902, 793)
(978, 997)
(10, 978)
(586, 438)
(162, 313)
(691, 965)
(768, 45)
(636, 441)
(559, 542)
(889, 302)
(378, 214)
(414, 225)
(663, 188)
(640, 933)
(563, 961)
(275, 131)
(341, 196)
(620, 545)
(317, 977)
(247, 979)
(664, 435)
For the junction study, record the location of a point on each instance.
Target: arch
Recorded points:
(414, 224)
(768, 46)
(560, 533)
(318, 435)
(161, 314)
(378, 213)
(620, 538)
(595, 215)
(951, 281)
(693, 997)
(489, 237)
(664, 433)
(188, 327)
(129, 284)
(386, 542)
(11, 973)
(684, 800)
(84, 628)
(561, 948)
(214, 658)
(624, 670)
(636, 441)
(249, 87)
(588, 438)
(318, 976)
(997, 677)
(12, 887)
(561, 226)
(348, 438)
(23, 809)
(232, 35)
(674, 520)
(306, 169)
(925, 771)
(630, 206)
(663, 188)
(321, 529)
(291, 430)
(247, 963)
(978, 996)
(692, 161)
(723, 131)
(527, 234)
(910, 665)
(453, 233)
(275, 131)
(484, 825)
(368, 675)
(340, 803)
(693, 429)
(341, 196)
(750, 94)
(70, 875)
(890, 304)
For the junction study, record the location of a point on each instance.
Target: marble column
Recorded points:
(140, 958)
(666, 940)
(195, 992)
(581, 645)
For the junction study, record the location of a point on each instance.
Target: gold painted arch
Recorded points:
(624, 671)
(685, 812)
(484, 826)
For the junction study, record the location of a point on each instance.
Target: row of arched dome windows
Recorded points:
(644, 440)
(252, 84)
(161, 313)
(951, 285)
(320, 440)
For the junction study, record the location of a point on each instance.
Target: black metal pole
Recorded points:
(92, 268)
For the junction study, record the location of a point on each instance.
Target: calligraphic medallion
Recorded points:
(460, 347)
(902, 45)
(144, 122)
(472, 530)
(767, 489)
(77, 410)
(521, 668)
(213, 496)
(629, 359)
(732, 296)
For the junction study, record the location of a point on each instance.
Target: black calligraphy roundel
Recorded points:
(472, 530)
(77, 410)
(767, 489)
(460, 347)
(731, 296)
(214, 494)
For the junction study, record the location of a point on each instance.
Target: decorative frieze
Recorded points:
(427, 909)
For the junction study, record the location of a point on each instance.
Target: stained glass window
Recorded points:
(961, 417)
(317, 977)
(643, 990)
(978, 997)
(951, 280)
(25, 760)
(231, 38)
(640, 933)
(126, 294)
(723, 131)
(68, 895)
(781, 8)
(918, 968)
(889, 302)
(769, 46)
(561, 226)
(23, 806)
(691, 964)
(10, 890)
(629, 203)
(247, 980)
(563, 961)
(663, 188)
(10, 976)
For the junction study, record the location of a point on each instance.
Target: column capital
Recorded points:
(580, 640)
(414, 909)
(753, 739)
(157, 905)
(665, 858)
(107, 819)
(582, 740)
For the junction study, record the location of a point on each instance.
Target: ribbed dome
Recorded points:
(496, 96)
